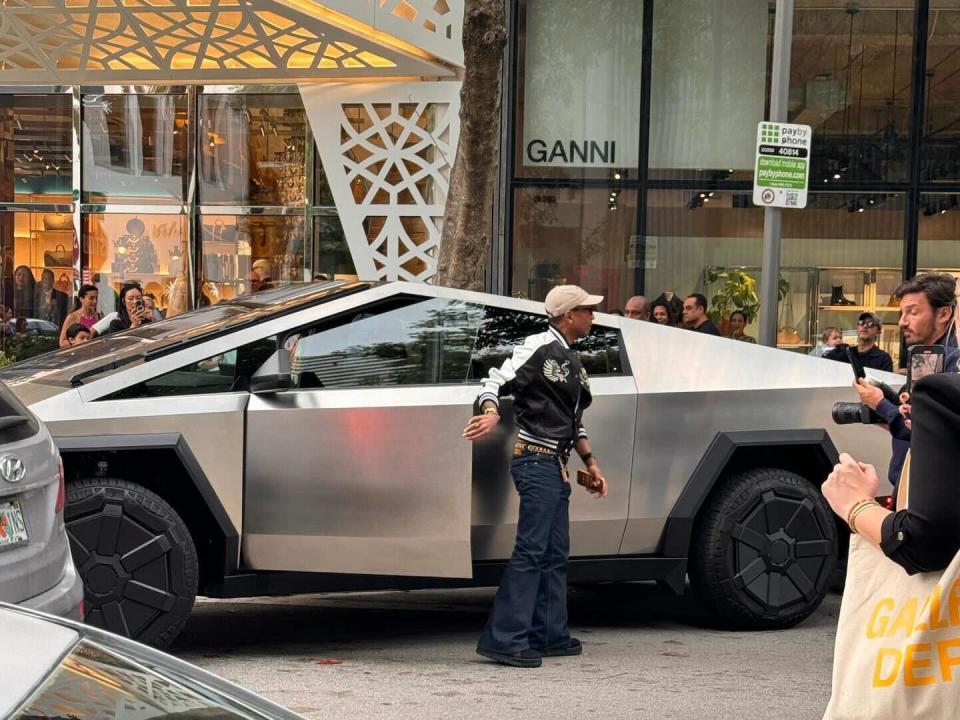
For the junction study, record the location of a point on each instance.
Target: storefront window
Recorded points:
(941, 142)
(939, 233)
(578, 88)
(708, 86)
(147, 249)
(850, 79)
(583, 237)
(36, 147)
(36, 281)
(252, 150)
(322, 196)
(695, 240)
(332, 259)
(134, 148)
(247, 253)
(853, 243)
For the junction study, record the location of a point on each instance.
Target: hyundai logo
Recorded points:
(12, 469)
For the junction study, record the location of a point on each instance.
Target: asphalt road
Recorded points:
(406, 655)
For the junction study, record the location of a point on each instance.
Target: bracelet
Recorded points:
(587, 458)
(859, 512)
(856, 510)
(491, 411)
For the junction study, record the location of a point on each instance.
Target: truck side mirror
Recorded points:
(273, 375)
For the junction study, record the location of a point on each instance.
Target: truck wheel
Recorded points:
(135, 556)
(764, 551)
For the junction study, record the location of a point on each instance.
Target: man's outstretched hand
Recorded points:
(480, 426)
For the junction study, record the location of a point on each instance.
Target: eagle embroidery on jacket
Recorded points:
(554, 371)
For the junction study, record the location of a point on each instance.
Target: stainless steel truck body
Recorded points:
(309, 438)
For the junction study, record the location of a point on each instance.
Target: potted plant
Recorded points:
(738, 291)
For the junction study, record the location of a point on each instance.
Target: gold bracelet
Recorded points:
(860, 512)
(491, 411)
(856, 510)
(853, 509)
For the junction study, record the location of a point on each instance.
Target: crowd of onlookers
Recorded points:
(691, 313)
(43, 309)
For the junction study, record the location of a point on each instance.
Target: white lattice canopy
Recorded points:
(123, 41)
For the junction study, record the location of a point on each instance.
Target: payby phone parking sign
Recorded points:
(782, 169)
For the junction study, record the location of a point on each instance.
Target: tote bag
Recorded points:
(897, 652)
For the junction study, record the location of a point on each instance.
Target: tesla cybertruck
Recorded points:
(308, 439)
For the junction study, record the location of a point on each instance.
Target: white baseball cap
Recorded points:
(264, 268)
(563, 298)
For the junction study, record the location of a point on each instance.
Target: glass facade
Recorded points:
(684, 83)
(196, 194)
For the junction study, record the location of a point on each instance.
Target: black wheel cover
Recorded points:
(779, 552)
(135, 556)
(765, 550)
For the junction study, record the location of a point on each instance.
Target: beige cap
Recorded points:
(264, 268)
(566, 297)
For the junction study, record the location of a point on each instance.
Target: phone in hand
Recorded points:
(858, 372)
(923, 360)
(138, 305)
(589, 481)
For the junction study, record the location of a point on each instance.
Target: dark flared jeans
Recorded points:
(530, 608)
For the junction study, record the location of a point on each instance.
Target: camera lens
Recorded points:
(846, 413)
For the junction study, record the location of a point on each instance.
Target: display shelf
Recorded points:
(872, 288)
(859, 308)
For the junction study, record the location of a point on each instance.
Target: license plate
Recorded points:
(13, 531)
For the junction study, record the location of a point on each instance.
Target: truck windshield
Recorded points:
(71, 365)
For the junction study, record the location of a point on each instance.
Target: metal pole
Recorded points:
(773, 217)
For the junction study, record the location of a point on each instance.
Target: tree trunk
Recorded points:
(465, 241)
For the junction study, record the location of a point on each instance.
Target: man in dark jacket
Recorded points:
(868, 331)
(927, 305)
(695, 315)
(551, 390)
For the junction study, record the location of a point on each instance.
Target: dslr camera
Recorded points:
(847, 413)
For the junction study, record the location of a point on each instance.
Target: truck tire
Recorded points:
(764, 550)
(135, 556)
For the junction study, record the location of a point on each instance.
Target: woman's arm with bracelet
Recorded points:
(925, 536)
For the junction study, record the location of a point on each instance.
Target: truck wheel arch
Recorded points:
(809, 453)
(152, 458)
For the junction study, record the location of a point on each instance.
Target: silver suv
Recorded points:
(36, 569)
(309, 438)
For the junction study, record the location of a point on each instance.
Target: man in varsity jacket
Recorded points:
(551, 390)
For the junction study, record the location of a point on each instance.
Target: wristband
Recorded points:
(587, 458)
(856, 510)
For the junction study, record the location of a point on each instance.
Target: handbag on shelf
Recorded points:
(787, 328)
(63, 284)
(219, 232)
(58, 257)
(898, 637)
(58, 221)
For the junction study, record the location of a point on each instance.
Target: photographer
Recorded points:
(131, 311)
(926, 318)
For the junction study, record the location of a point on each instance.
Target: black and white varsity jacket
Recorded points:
(550, 388)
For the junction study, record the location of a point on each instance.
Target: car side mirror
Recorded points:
(273, 375)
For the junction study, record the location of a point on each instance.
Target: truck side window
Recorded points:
(229, 371)
(502, 330)
(405, 341)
